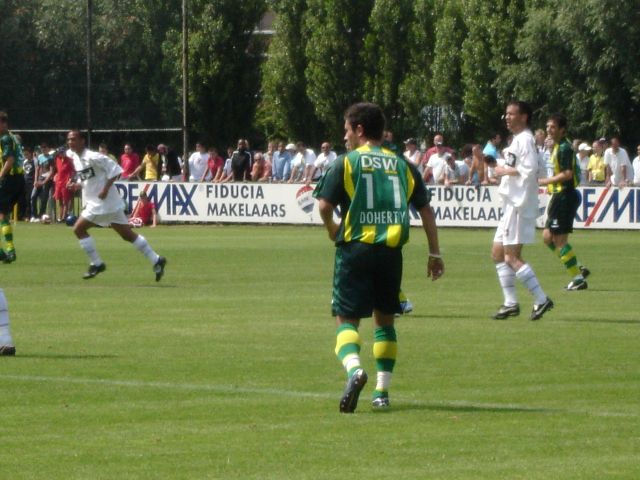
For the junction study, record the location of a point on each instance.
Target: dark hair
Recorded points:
(103, 145)
(4, 116)
(467, 150)
(559, 119)
(369, 116)
(80, 134)
(523, 108)
(489, 159)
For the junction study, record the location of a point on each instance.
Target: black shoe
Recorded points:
(577, 284)
(158, 268)
(9, 256)
(584, 271)
(7, 350)
(506, 311)
(539, 310)
(355, 384)
(94, 270)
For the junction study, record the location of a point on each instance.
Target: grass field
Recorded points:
(225, 369)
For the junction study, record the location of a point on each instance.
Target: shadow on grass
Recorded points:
(443, 407)
(61, 356)
(437, 316)
(595, 320)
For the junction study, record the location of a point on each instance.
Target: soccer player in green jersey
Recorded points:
(11, 184)
(564, 201)
(373, 187)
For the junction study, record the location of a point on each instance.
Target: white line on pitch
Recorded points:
(231, 389)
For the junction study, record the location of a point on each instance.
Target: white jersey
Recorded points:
(521, 190)
(94, 170)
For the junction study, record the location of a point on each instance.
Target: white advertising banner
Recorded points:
(600, 207)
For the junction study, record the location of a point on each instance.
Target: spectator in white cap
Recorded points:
(584, 152)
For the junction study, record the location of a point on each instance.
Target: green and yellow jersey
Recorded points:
(563, 158)
(373, 187)
(10, 147)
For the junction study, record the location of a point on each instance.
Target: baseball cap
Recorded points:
(290, 146)
(411, 141)
(584, 147)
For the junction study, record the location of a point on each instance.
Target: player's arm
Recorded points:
(7, 165)
(326, 213)
(154, 217)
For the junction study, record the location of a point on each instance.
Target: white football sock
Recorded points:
(507, 279)
(528, 278)
(143, 247)
(89, 246)
(383, 381)
(5, 334)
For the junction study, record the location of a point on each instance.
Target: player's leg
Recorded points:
(6, 342)
(88, 244)
(11, 192)
(385, 351)
(351, 300)
(506, 276)
(125, 231)
(387, 281)
(526, 275)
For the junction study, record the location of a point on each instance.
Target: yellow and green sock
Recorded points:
(385, 350)
(348, 347)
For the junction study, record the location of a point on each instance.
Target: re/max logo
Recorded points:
(169, 198)
(617, 205)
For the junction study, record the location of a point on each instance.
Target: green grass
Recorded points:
(225, 369)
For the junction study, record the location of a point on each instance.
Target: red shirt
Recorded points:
(145, 211)
(64, 170)
(129, 162)
(215, 164)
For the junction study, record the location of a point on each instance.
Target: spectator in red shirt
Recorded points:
(144, 213)
(129, 161)
(64, 172)
(215, 164)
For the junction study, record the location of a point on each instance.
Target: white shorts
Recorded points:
(106, 219)
(515, 229)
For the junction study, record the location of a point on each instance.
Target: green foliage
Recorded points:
(387, 58)
(447, 65)
(285, 110)
(335, 31)
(224, 67)
(416, 88)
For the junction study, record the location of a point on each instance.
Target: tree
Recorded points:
(387, 58)
(335, 30)
(224, 67)
(285, 110)
(416, 88)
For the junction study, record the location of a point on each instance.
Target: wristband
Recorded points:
(434, 255)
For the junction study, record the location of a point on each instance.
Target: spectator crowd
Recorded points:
(48, 171)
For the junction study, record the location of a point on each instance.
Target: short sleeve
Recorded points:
(420, 196)
(331, 185)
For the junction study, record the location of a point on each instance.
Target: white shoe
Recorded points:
(406, 306)
(34, 220)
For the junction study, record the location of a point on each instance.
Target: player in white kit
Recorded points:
(102, 205)
(519, 191)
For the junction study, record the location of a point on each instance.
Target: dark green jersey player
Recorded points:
(11, 184)
(373, 188)
(564, 201)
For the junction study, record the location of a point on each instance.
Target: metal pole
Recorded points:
(89, 55)
(185, 90)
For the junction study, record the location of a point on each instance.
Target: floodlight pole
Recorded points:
(89, 55)
(185, 90)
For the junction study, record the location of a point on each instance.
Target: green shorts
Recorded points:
(366, 277)
(11, 190)
(561, 211)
